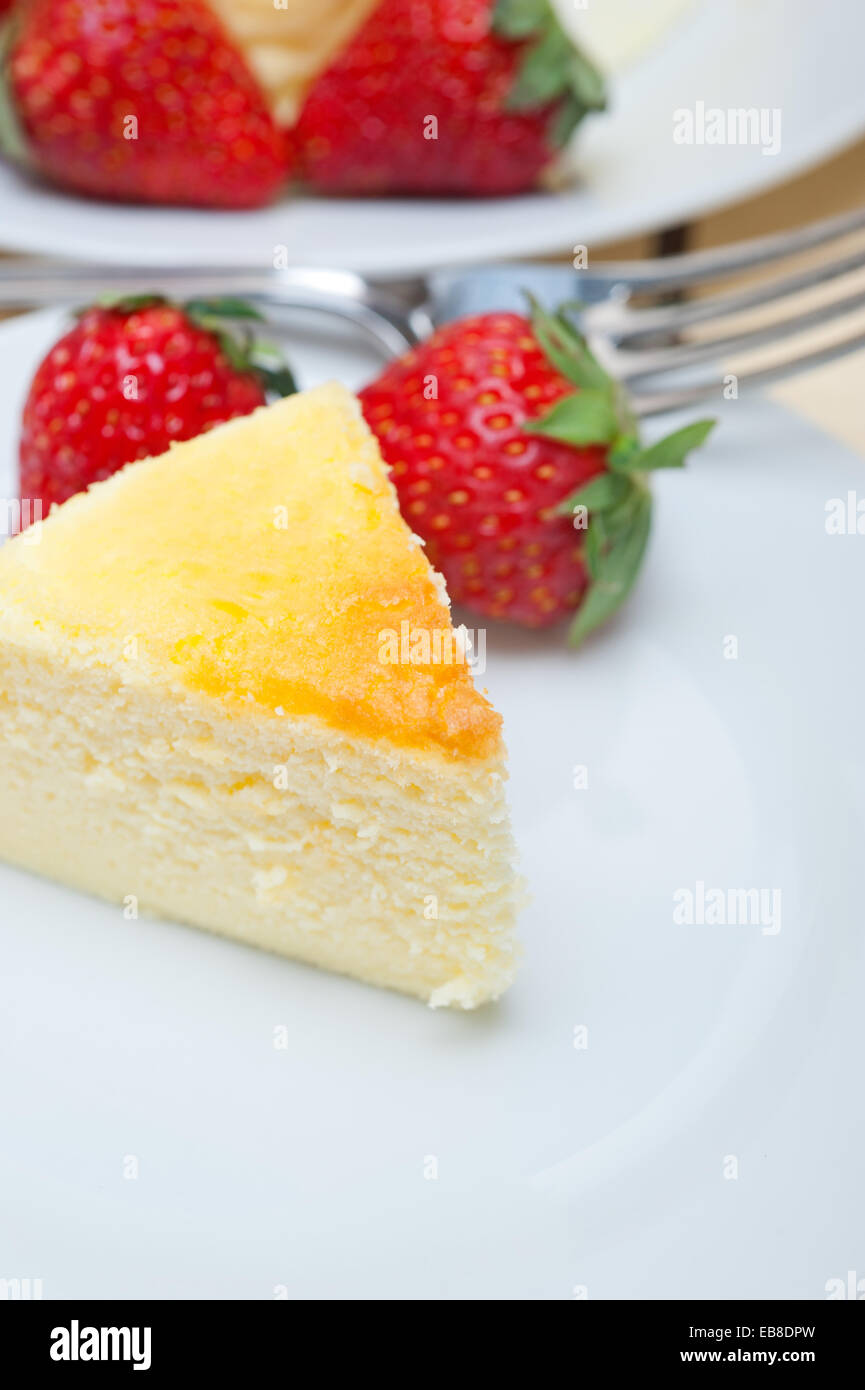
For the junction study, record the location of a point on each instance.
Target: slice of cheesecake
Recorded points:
(230, 694)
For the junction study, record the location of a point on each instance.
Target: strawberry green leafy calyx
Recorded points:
(615, 506)
(228, 321)
(13, 146)
(554, 69)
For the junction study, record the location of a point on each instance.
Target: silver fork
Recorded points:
(647, 348)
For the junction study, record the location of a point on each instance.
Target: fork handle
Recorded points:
(394, 321)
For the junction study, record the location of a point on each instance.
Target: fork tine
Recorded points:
(648, 362)
(698, 267)
(660, 402)
(625, 325)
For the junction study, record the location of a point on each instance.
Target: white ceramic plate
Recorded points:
(801, 58)
(711, 1049)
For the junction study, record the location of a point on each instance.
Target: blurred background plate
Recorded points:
(801, 58)
(654, 1110)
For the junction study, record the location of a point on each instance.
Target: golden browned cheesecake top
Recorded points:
(264, 563)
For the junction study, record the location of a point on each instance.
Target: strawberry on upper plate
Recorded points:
(217, 103)
(144, 100)
(446, 96)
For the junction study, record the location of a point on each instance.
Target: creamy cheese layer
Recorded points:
(383, 863)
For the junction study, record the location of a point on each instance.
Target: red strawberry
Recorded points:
(446, 96)
(129, 380)
(517, 460)
(143, 100)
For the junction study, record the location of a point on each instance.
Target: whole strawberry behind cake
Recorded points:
(519, 462)
(221, 103)
(132, 377)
